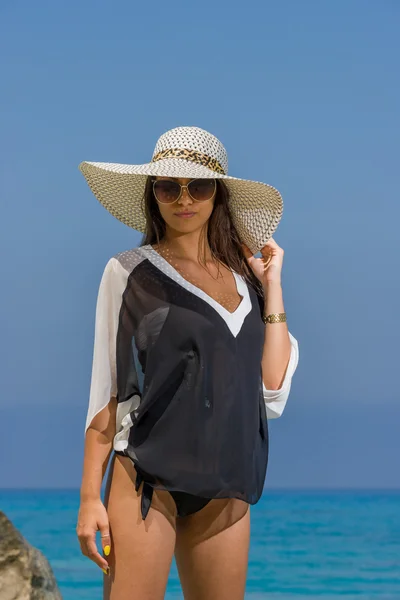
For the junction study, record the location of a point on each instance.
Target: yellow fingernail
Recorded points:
(105, 571)
(107, 550)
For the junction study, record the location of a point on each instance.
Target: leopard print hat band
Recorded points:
(186, 152)
(193, 155)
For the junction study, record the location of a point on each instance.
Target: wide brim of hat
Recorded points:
(256, 207)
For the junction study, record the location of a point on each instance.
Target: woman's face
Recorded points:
(186, 214)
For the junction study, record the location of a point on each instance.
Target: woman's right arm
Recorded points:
(100, 426)
(92, 514)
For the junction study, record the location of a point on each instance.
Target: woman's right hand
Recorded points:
(92, 517)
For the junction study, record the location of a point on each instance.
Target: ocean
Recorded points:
(304, 545)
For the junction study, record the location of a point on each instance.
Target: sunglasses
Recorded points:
(167, 192)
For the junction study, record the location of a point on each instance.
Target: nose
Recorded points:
(185, 197)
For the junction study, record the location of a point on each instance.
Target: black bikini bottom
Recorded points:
(186, 504)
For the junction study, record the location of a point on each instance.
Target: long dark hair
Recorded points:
(222, 235)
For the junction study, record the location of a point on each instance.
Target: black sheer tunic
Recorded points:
(187, 377)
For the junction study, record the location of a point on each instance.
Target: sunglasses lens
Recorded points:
(202, 189)
(166, 191)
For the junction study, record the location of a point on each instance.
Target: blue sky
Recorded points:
(305, 96)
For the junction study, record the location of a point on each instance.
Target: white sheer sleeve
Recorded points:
(275, 400)
(103, 380)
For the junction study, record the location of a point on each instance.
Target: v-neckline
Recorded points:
(234, 319)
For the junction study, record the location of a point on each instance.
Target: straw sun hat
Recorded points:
(189, 152)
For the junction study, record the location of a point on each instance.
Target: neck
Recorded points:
(187, 245)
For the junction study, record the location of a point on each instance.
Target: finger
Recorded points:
(266, 259)
(270, 244)
(105, 539)
(246, 251)
(83, 548)
(93, 553)
(96, 557)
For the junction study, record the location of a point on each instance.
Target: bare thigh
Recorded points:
(211, 551)
(141, 551)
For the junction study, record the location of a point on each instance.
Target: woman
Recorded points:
(191, 355)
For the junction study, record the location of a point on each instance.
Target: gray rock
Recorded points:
(25, 574)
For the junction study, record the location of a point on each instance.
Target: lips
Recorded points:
(185, 214)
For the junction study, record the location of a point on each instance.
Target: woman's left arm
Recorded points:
(280, 353)
(277, 346)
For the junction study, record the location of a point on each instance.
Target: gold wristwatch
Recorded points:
(274, 318)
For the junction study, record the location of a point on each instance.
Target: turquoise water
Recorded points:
(304, 545)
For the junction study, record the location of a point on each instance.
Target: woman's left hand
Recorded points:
(268, 268)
